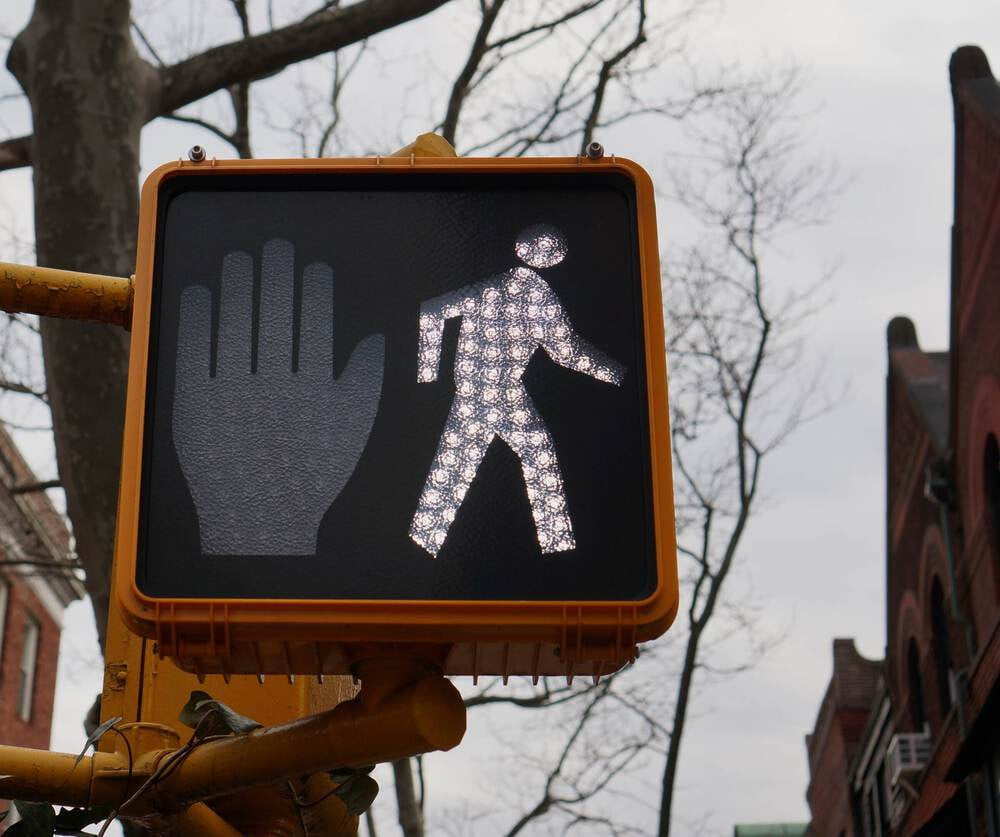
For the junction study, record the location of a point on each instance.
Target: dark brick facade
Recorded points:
(941, 695)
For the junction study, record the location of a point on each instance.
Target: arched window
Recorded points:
(916, 686)
(942, 645)
(991, 487)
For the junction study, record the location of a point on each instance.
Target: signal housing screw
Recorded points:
(196, 153)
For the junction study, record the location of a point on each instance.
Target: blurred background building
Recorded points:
(910, 745)
(37, 581)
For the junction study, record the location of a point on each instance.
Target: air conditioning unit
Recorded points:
(907, 753)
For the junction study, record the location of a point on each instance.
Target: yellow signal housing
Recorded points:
(253, 631)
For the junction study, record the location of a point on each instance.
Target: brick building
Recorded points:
(927, 761)
(840, 725)
(37, 582)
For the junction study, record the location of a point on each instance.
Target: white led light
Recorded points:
(541, 246)
(504, 320)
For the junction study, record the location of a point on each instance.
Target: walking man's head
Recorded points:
(541, 245)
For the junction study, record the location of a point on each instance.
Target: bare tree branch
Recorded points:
(605, 75)
(575, 108)
(460, 89)
(239, 93)
(547, 26)
(15, 153)
(250, 58)
(410, 813)
(342, 71)
(26, 428)
(147, 44)
(23, 389)
(731, 353)
(547, 799)
(581, 771)
(202, 123)
(62, 566)
(547, 696)
(32, 487)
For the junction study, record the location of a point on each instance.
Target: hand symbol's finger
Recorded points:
(235, 315)
(316, 335)
(277, 278)
(194, 336)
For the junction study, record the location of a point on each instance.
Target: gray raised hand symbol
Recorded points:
(266, 452)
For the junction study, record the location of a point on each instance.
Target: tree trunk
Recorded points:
(677, 731)
(411, 818)
(89, 92)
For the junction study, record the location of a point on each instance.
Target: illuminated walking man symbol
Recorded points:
(504, 320)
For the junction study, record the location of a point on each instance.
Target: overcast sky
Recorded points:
(878, 100)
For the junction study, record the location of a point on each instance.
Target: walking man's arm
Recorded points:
(433, 314)
(568, 349)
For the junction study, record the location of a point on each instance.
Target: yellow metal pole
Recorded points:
(65, 293)
(37, 775)
(402, 711)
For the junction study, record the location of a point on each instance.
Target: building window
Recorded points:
(3, 613)
(942, 646)
(917, 710)
(991, 487)
(29, 656)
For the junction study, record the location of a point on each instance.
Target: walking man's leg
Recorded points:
(531, 441)
(460, 451)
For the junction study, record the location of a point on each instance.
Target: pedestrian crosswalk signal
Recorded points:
(410, 402)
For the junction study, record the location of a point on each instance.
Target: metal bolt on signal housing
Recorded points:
(595, 150)
(196, 153)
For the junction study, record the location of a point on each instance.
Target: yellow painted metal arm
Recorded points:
(65, 293)
(404, 709)
(416, 717)
(37, 776)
